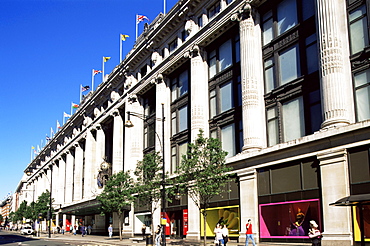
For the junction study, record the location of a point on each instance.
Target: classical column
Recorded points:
(163, 96)
(335, 185)
(199, 93)
(77, 188)
(56, 182)
(248, 202)
(62, 179)
(99, 152)
(133, 136)
(193, 220)
(117, 163)
(89, 175)
(336, 82)
(69, 177)
(254, 132)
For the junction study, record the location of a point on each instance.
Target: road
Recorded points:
(14, 238)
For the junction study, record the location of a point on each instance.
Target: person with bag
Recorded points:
(249, 233)
(218, 234)
(225, 234)
(314, 233)
(158, 236)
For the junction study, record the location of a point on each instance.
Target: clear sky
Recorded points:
(48, 49)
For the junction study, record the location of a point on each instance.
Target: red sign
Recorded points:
(185, 221)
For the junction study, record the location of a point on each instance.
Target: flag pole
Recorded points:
(31, 154)
(164, 6)
(120, 48)
(136, 27)
(80, 92)
(71, 108)
(103, 71)
(92, 80)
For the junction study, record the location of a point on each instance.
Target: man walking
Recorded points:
(249, 233)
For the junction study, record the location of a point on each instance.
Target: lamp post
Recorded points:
(128, 123)
(29, 173)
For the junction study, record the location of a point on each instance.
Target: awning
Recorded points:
(359, 201)
(354, 200)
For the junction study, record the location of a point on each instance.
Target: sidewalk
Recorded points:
(105, 240)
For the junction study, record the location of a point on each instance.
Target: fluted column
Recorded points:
(118, 128)
(69, 177)
(61, 180)
(99, 152)
(77, 194)
(56, 183)
(199, 93)
(163, 97)
(89, 176)
(133, 136)
(254, 131)
(337, 92)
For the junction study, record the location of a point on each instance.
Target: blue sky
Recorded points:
(48, 48)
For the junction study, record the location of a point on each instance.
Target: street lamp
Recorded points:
(29, 173)
(129, 124)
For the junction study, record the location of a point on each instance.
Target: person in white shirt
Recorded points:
(225, 234)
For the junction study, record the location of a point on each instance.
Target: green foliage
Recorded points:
(20, 213)
(1, 219)
(41, 207)
(203, 173)
(117, 195)
(149, 185)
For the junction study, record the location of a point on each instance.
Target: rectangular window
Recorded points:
(183, 118)
(172, 46)
(179, 85)
(358, 29)
(267, 25)
(362, 93)
(212, 11)
(286, 15)
(213, 104)
(228, 139)
(293, 119)
(226, 96)
(272, 126)
(289, 68)
(269, 75)
(225, 56)
(314, 102)
(312, 54)
(173, 123)
(200, 21)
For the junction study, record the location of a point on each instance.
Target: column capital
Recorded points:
(245, 12)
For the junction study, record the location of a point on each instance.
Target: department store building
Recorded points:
(283, 84)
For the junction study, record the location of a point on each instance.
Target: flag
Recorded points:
(106, 58)
(96, 71)
(47, 138)
(85, 88)
(74, 105)
(66, 115)
(51, 132)
(140, 18)
(124, 36)
(33, 147)
(58, 125)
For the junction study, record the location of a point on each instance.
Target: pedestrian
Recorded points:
(63, 230)
(218, 235)
(89, 229)
(158, 236)
(74, 231)
(249, 232)
(110, 231)
(225, 234)
(143, 230)
(83, 230)
(314, 233)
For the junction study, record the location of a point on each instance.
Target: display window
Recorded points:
(288, 219)
(228, 216)
(356, 222)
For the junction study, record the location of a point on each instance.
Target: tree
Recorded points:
(117, 195)
(203, 173)
(1, 219)
(20, 213)
(42, 205)
(149, 183)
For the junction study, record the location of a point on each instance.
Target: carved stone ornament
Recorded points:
(132, 98)
(190, 26)
(103, 174)
(243, 13)
(114, 96)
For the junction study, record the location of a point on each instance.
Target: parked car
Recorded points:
(26, 230)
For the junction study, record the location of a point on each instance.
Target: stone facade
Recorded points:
(272, 79)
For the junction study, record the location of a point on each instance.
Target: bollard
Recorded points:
(149, 240)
